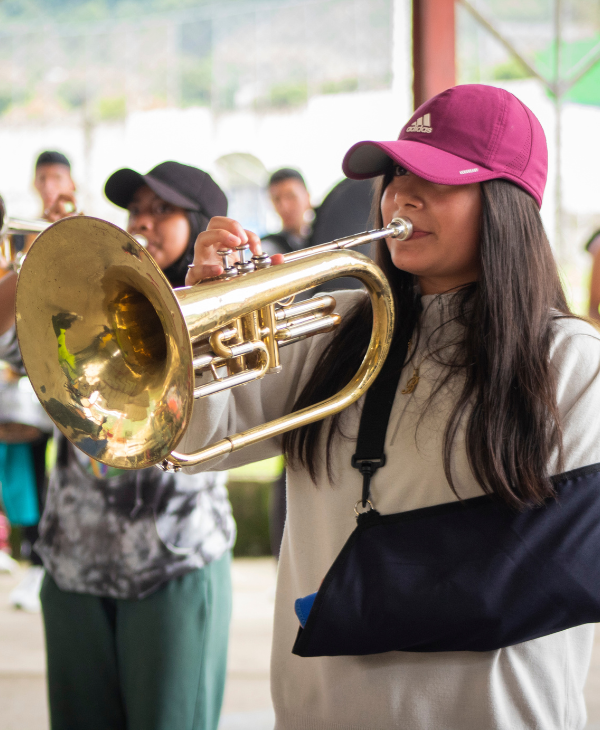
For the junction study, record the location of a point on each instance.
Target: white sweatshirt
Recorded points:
(537, 684)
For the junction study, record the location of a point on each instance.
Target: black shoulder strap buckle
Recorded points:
(370, 441)
(367, 467)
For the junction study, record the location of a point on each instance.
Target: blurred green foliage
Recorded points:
(542, 10)
(250, 503)
(288, 94)
(259, 471)
(5, 100)
(111, 108)
(24, 11)
(511, 69)
(196, 82)
(339, 86)
(72, 94)
(14, 540)
(250, 495)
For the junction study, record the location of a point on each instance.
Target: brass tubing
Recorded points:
(268, 321)
(21, 226)
(400, 228)
(316, 304)
(219, 384)
(378, 288)
(318, 325)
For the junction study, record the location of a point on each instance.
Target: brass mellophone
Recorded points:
(113, 352)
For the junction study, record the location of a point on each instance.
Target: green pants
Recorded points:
(154, 664)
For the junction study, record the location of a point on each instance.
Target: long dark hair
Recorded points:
(509, 392)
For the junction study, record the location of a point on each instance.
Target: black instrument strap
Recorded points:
(369, 455)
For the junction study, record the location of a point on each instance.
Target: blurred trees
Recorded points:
(106, 58)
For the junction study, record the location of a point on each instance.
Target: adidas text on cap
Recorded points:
(466, 134)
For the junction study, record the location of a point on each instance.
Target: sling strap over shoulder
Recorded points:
(370, 444)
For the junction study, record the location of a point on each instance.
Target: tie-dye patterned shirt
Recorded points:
(122, 534)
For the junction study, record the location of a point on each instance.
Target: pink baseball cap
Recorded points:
(466, 134)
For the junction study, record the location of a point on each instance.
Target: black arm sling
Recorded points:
(468, 575)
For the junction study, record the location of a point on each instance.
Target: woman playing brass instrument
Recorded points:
(137, 593)
(498, 390)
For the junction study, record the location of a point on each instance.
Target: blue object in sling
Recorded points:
(302, 607)
(17, 484)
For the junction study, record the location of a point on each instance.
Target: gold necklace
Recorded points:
(413, 381)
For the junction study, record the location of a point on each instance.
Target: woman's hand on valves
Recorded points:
(222, 233)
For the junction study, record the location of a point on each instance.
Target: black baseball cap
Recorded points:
(181, 185)
(52, 157)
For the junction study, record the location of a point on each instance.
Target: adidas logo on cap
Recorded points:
(423, 124)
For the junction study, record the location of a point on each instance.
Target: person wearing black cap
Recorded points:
(163, 205)
(54, 185)
(137, 594)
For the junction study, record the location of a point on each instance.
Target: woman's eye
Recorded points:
(399, 171)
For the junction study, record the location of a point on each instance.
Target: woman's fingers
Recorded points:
(254, 242)
(234, 228)
(198, 273)
(221, 233)
(229, 225)
(207, 263)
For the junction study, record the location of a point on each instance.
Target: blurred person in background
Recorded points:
(54, 185)
(23, 463)
(593, 247)
(24, 482)
(291, 200)
(137, 594)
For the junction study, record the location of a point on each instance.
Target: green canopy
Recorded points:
(587, 89)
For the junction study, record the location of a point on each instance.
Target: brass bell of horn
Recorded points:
(112, 350)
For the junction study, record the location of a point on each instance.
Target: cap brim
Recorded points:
(369, 159)
(122, 184)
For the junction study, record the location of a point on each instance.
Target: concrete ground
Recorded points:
(247, 704)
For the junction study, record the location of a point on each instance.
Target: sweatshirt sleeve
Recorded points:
(237, 409)
(575, 355)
